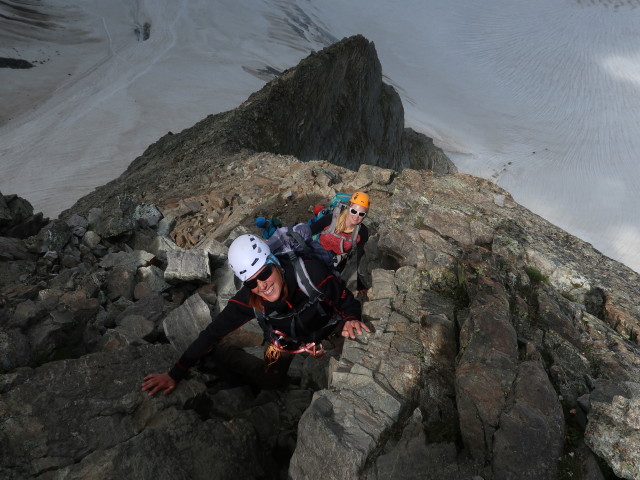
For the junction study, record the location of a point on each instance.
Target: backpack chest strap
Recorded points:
(314, 295)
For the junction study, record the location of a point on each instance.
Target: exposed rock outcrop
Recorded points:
(332, 106)
(17, 218)
(612, 432)
(502, 348)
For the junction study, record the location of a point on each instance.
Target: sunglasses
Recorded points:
(356, 212)
(262, 276)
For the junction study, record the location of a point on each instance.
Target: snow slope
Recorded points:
(542, 97)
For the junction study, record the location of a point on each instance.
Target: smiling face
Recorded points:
(270, 288)
(354, 219)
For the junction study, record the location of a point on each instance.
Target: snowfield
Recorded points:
(541, 97)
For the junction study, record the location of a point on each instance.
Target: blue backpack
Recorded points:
(339, 202)
(340, 199)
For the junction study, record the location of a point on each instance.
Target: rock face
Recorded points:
(93, 423)
(502, 347)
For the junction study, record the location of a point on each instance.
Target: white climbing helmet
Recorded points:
(247, 255)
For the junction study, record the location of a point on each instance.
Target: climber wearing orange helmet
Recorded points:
(340, 232)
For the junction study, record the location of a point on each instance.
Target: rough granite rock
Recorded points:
(530, 435)
(187, 266)
(442, 305)
(613, 431)
(486, 368)
(56, 435)
(184, 323)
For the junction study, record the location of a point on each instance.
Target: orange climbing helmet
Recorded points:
(360, 198)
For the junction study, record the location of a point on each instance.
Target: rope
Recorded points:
(317, 350)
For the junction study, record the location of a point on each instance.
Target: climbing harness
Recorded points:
(284, 344)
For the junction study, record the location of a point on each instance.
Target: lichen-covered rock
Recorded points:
(486, 368)
(613, 431)
(130, 260)
(149, 214)
(378, 373)
(78, 225)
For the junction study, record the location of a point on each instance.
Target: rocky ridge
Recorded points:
(333, 106)
(503, 346)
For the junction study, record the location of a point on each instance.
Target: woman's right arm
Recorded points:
(233, 316)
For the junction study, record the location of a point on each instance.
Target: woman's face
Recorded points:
(270, 288)
(355, 213)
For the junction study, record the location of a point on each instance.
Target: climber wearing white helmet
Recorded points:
(297, 302)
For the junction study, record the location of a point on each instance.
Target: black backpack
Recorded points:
(297, 241)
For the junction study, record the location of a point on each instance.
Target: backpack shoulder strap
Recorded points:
(304, 281)
(354, 238)
(302, 244)
(308, 288)
(334, 220)
(262, 321)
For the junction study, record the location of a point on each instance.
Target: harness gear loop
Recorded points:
(315, 349)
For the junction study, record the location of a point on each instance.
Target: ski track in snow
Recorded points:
(541, 97)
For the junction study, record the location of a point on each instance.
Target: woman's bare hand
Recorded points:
(353, 328)
(155, 382)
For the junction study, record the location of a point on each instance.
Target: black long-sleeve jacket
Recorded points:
(337, 300)
(324, 222)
